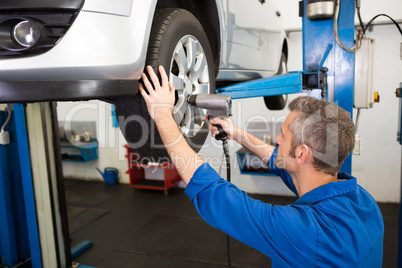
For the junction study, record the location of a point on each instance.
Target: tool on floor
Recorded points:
(110, 174)
(217, 106)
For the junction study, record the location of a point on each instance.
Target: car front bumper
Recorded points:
(102, 55)
(38, 91)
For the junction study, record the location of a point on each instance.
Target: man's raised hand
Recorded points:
(161, 97)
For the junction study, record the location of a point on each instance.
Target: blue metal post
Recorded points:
(27, 184)
(20, 222)
(317, 35)
(7, 222)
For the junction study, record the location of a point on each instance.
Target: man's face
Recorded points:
(284, 140)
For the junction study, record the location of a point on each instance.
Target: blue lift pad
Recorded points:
(284, 84)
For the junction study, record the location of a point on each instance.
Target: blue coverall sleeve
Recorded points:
(276, 231)
(281, 173)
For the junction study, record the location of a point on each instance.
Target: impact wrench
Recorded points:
(217, 106)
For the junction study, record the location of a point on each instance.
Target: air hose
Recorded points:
(227, 158)
(222, 136)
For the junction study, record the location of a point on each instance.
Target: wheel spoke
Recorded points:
(177, 82)
(191, 52)
(180, 58)
(203, 88)
(180, 110)
(188, 121)
(200, 69)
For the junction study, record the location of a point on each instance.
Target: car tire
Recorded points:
(278, 102)
(178, 43)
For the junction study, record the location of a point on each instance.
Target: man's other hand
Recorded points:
(227, 125)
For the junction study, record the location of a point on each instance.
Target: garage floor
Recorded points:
(143, 228)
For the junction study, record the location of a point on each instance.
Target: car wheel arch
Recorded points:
(211, 23)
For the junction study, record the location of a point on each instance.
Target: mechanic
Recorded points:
(334, 222)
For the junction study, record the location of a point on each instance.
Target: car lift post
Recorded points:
(33, 212)
(17, 196)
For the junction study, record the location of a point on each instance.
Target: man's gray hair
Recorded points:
(326, 129)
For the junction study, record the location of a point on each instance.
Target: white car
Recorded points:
(97, 49)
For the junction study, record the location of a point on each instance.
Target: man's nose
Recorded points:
(278, 139)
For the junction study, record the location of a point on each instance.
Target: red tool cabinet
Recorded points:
(169, 177)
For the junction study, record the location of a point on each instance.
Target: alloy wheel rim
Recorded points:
(189, 75)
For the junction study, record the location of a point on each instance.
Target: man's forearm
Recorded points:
(254, 145)
(182, 155)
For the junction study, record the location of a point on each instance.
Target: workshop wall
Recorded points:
(110, 140)
(377, 168)
(379, 165)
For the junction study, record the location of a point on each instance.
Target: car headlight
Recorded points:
(34, 27)
(25, 33)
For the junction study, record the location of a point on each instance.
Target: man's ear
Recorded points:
(302, 154)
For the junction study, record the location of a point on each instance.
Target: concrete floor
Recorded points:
(144, 228)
